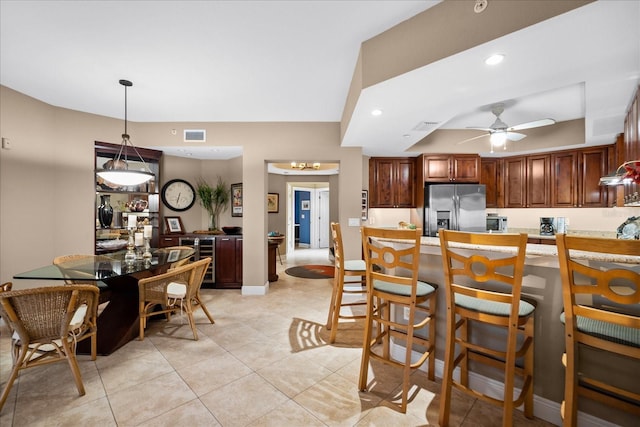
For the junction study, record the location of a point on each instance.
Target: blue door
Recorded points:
(302, 217)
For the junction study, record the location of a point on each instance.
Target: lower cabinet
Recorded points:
(228, 262)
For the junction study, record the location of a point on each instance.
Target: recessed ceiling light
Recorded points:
(376, 112)
(494, 59)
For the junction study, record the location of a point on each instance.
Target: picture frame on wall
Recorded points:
(173, 225)
(305, 205)
(273, 202)
(236, 199)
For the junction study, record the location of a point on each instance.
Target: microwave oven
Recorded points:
(496, 224)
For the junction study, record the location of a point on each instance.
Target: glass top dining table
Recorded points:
(101, 267)
(118, 322)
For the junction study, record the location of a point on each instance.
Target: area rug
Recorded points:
(311, 271)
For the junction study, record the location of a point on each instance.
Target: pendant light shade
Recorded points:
(117, 170)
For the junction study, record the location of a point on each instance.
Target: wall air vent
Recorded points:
(195, 135)
(423, 126)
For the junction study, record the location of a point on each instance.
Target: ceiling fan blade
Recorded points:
(534, 124)
(478, 128)
(515, 136)
(474, 138)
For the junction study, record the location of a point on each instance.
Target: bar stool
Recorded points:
(603, 320)
(392, 283)
(344, 268)
(475, 304)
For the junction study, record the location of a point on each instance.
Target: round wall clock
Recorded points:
(178, 195)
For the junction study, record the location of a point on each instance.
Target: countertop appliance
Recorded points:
(547, 227)
(496, 224)
(454, 207)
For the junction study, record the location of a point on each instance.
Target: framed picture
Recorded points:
(236, 199)
(173, 225)
(305, 205)
(273, 202)
(173, 256)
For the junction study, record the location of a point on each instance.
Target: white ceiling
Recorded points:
(220, 61)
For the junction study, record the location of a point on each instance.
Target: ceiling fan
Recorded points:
(499, 132)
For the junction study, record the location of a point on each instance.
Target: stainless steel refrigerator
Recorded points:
(455, 207)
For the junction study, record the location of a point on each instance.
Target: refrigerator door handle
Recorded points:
(456, 212)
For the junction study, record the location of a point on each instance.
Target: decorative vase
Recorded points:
(105, 212)
(212, 222)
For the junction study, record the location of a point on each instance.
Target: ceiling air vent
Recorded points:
(195, 135)
(423, 126)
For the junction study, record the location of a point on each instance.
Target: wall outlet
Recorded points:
(354, 222)
(6, 144)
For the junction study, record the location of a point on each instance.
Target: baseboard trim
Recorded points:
(255, 290)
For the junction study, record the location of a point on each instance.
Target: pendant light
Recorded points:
(117, 170)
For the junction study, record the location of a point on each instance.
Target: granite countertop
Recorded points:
(536, 250)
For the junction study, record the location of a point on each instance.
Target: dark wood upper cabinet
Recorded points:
(564, 179)
(526, 181)
(538, 181)
(459, 168)
(515, 182)
(392, 182)
(593, 164)
(491, 177)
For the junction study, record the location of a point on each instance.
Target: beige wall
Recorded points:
(47, 191)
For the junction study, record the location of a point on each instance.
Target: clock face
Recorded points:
(178, 195)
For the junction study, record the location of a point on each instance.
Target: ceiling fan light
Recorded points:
(498, 139)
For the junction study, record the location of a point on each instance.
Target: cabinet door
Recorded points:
(466, 168)
(437, 168)
(238, 251)
(593, 165)
(515, 183)
(381, 181)
(538, 181)
(225, 261)
(404, 187)
(392, 182)
(491, 177)
(564, 179)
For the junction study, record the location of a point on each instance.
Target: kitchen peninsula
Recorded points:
(542, 283)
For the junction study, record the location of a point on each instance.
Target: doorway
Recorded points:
(308, 216)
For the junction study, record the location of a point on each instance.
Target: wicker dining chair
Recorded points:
(176, 290)
(46, 324)
(103, 288)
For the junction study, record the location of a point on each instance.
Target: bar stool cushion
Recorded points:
(608, 331)
(355, 265)
(492, 307)
(392, 288)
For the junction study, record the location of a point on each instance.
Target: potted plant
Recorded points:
(214, 199)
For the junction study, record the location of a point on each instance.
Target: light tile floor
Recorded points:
(265, 362)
